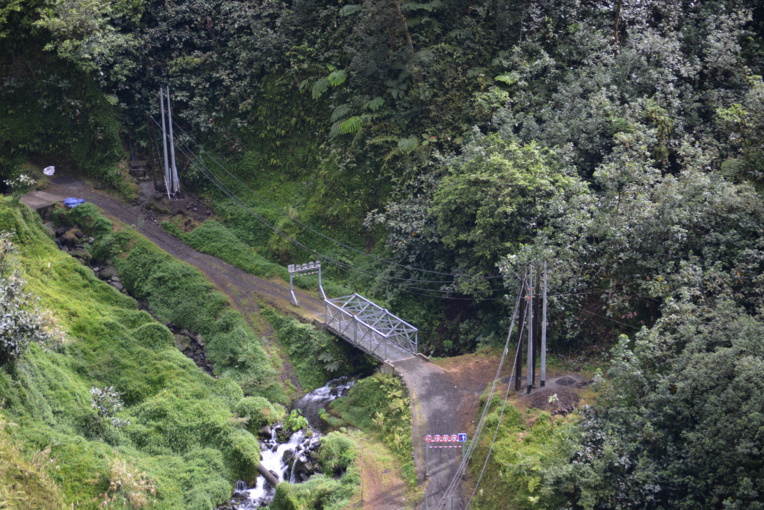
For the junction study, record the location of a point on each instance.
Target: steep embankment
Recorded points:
(109, 362)
(439, 401)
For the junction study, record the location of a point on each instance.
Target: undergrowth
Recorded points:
(526, 442)
(178, 444)
(316, 355)
(379, 405)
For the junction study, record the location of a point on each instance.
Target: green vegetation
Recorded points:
(524, 443)
(331, 490)
(316, 355)
(455, 143)
(379, 405)
(259, 412)
(174, 444)
(177, 292)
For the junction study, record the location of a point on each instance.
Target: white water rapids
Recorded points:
(281, 458)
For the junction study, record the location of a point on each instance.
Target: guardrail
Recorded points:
(368, 326)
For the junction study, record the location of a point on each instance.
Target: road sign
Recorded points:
(462, 437)
(427, 438)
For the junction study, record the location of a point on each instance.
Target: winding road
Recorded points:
(441, 403)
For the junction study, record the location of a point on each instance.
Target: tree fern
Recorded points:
(408, 145)
(350, 9)
(321, 86)
(338, 77)
(341, 112)
(508, 78)
(374, 104)
(352, 124)
(418, 6)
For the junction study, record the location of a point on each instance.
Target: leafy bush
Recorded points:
(295, 421)
(318, 492)
(337, 453)
(21, 322)
(259, 412)
(316, 355)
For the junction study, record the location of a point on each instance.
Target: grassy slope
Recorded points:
(182, 435)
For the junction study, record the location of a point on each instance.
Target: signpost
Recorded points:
(443, 442)
(297, 270)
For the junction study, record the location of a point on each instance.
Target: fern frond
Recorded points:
(351, 125)
(358, 136)
(321, 86)
(508, 78)
(350, 9)
(336, 129)
(381, 139)
(338, 77)
(374, 104)
(408, 145)
(418, 6)
(340, 112)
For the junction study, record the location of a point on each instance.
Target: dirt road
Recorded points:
(439, 404)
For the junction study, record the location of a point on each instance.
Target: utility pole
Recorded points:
(171, 182)
(174, 169)
(531, 368)
(543, 330)
(164, 141)
(519, 357)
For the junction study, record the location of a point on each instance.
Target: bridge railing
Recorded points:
(368, 325)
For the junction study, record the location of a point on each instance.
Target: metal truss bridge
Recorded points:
(370, 328)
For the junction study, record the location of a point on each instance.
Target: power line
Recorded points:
(453, 485)
(317, 232)
(207, 173)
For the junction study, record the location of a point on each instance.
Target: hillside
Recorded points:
(428, 153)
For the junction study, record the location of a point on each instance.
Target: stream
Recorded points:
(292, 460)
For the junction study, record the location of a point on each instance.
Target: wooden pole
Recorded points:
(519, 356)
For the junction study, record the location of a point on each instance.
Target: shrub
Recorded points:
(259, 412)
(336, 454)
(21, 322)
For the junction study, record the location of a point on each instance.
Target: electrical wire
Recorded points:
(426, 292)
(205, 171)
(186, 151)
(311, 229)
(453, 485)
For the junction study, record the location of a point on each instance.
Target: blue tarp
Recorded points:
(73, 202)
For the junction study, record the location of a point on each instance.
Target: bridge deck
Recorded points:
(370, 328)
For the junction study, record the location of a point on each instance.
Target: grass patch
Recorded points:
(183, 446)
(379, 405)
(179, 293)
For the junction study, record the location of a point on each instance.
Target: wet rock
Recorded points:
(71, 237)
(182, 342)
(108, 272)
(265, 432)
(117, 285)
(82, 255)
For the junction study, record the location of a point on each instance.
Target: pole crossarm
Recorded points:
(369, 326)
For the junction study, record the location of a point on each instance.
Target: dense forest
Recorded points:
(428, 152)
